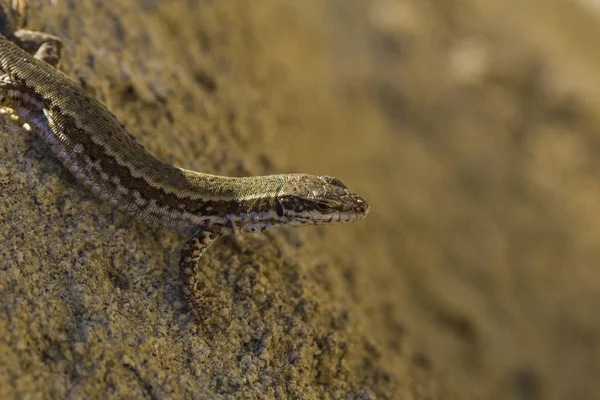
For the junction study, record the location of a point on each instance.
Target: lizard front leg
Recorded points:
(190, 264)
(43, 46)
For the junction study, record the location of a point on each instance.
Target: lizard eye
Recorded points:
(279, 208)
(323, 207)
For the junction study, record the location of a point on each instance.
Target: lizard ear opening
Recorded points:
(279, 208)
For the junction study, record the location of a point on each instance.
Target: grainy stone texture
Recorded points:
(470, 126)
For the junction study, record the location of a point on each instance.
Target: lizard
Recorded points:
(105, 158)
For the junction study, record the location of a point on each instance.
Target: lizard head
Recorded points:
(308, 199)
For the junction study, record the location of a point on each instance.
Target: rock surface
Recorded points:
(470, 126)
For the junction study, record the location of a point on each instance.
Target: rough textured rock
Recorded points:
(471, 128)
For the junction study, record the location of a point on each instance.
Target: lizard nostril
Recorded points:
(362, 205)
